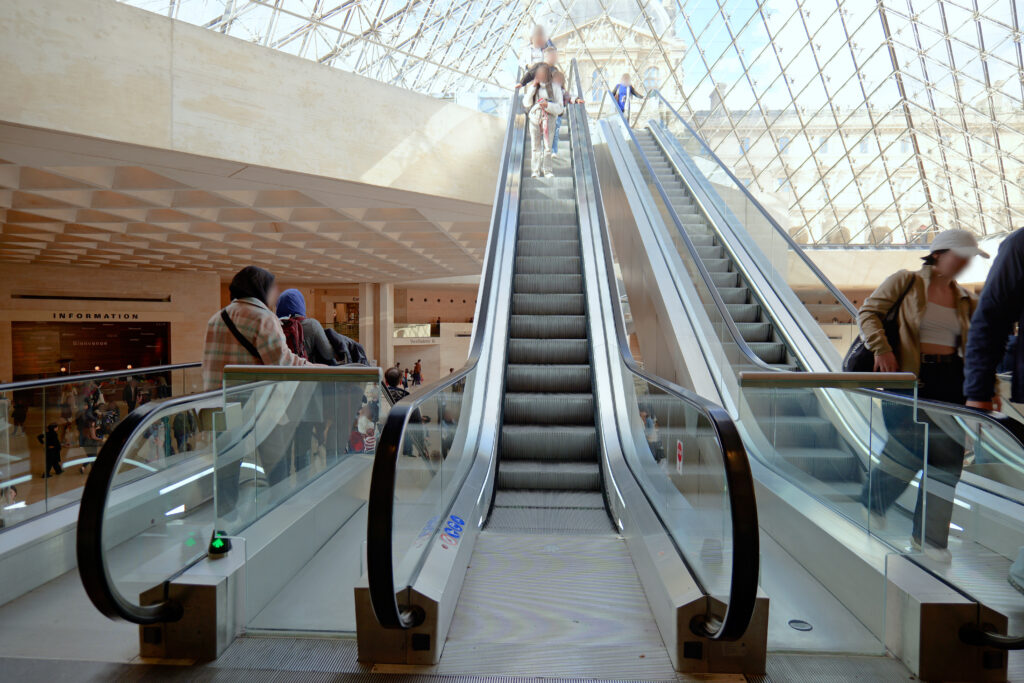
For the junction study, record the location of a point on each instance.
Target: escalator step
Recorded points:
(548, 248)
(549, 499)
(733, 295)
(548, 409)
(556, 351)
(769, 352)
(704, 240)
(548, 378)
(803, 431)
(558, 443)
(824, 464)
(548, 284)
(552, 188)
(536, 475)
(718, 265)
(548, 304)
(549, 232)
(708, 253)
(755, 332)
(547, 218)
(725, 279)
(548, 326)
(547, 205)
(744, 313)
(548, 265)
(557, 520)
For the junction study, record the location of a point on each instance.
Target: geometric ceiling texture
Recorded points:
(860, 122)
(61, 204)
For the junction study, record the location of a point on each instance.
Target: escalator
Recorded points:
(518, 515)
(765, 319)
(555, 537)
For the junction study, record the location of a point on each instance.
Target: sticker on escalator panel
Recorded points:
(452, 532)
(679, 456)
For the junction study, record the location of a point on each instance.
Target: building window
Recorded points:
(905, 145)
(783, 144)
(652, 79)
(823, 145)
(744, 145)
(863, 146)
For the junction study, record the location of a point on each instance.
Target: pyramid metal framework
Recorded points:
(859, 121)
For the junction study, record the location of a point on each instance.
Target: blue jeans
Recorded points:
(554, 142)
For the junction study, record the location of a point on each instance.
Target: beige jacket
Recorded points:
(882, 300)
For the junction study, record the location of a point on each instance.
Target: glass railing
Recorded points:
(425, 451)
(883, 459)
(790, 272)
(684, 451)
(149, 513)
(52, 429)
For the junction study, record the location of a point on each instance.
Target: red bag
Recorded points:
(294, 336)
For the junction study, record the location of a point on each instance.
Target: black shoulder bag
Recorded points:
(248, 345)
(859, 358)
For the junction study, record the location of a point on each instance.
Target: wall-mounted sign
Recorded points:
(74, 315)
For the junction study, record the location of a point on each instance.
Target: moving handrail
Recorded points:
(808, 262)
(93, 376)
(745, 570)
(380, 507)
(92, 568)
(92, 565)
(1013, 428)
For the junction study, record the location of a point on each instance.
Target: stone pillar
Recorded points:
(367, 317)
(386, 324)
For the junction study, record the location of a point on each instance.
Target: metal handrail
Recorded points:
(739, 478)
(93, 376)
(775, 225)
(380, 505)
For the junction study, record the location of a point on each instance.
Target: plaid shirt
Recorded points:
(256, 323)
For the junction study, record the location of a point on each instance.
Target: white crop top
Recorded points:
(939, 325)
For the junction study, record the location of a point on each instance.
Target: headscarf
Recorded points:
(291, 302)
(251, 282)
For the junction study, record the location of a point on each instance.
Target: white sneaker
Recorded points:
(549, 174)
(535, 175)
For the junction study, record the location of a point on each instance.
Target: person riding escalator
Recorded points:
(933, 313)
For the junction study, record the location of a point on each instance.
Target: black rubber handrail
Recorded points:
(380, 506)
(840, 297)
(92, 567)
(972, 634)
(746, 553)
(1013, 428)
(93, 376)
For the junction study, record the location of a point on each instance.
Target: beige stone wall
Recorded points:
(193, 298)
(106, 70)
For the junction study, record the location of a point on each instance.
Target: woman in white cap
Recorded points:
(933, 313)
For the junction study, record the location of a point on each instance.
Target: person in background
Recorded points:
(533, 53)
(550, 58)
(392, 378)
(623, 91)
(51, 440)
(1000, 307)
(567, 99)
(417, 373)
(91, 441)
(318, 349)
(543, 100)
(18, 416)
(130, 395)
(934, 316)
(246, 331)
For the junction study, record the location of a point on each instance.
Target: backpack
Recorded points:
(293, 334)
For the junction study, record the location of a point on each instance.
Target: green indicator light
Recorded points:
(217, 543)
(190, 541)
